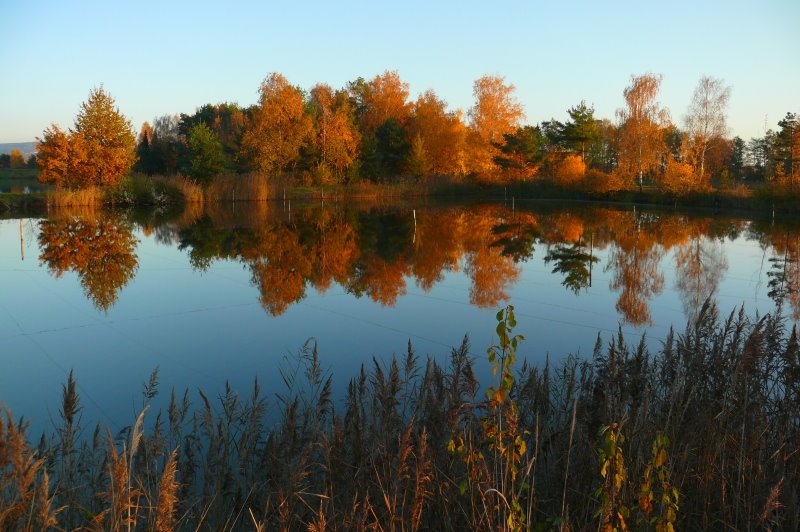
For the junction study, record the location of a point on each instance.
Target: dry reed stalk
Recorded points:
(19, 467)
(167, 495)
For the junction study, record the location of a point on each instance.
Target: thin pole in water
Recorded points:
(21, 240)
(414, 212)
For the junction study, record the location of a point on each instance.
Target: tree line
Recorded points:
(372, 130)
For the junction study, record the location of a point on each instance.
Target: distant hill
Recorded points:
(27, 148)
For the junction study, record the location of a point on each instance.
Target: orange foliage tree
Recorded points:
(441, 136)
(336, 139)
(382, 98)
(280, 126)
(100, 150)
(641, 141)
(496, 112)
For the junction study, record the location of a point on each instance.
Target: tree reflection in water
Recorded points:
(99, 249)
(374, 251)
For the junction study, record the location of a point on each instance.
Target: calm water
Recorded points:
(231, 293)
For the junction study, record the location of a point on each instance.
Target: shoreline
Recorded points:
(749, 201)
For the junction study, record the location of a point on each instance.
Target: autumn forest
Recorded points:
(372, 131)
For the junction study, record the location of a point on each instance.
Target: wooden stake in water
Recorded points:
(414, 212)
(21, 240)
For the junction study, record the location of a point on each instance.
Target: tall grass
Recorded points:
(243, 187)
(192, 192)
(86, 197)
(702, 434)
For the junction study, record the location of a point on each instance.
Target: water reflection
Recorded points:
(99, 249)
(784, 272)
(374, 251)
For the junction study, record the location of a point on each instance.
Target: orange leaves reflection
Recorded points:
(375, 252)
(101, 251)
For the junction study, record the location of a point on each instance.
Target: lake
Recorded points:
(234, 291)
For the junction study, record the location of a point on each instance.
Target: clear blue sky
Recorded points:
(170, 57)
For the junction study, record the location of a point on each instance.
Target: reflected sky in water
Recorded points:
(229, 294)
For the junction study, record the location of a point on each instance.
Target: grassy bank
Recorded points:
(702, 434)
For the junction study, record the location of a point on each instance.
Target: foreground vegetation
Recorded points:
(702, 434)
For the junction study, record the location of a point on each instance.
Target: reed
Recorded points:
(60, 198)
(192, 192)
(243, 187)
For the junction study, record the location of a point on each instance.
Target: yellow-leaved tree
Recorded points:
(641, 139)
(280, 126)
(439, 135)
(495, 113)
(100, 150)
(335, 138)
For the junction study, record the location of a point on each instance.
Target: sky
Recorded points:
(170, 57)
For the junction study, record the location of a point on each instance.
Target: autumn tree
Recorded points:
(706, 119)
(108, 138)
(280, 126)
(641, 143)
(382, 98)
(383, 111)
(495, 113)
(16, 159)
(205, 155)
(100, 150)
(62, 158)
(437, 136)
(336, 139)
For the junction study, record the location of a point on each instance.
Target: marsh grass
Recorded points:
(192, 192)
(711, 419)
(243, 187)
(64, 198)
